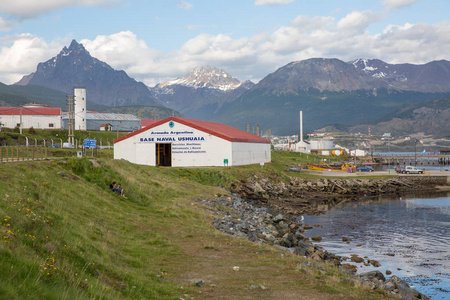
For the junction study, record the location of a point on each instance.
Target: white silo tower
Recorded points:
(80, 108)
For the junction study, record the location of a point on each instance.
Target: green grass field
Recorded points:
(65, 235)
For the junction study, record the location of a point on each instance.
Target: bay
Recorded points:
(408, 235)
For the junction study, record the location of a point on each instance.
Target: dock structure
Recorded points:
(411, 159)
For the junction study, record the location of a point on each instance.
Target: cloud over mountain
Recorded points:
(31, 9)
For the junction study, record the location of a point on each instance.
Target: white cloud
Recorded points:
(5, 25)
(33, 8)
(396, 4)
(276, 2)
(358, 21)
(23, 55)
(184, 5)
(251, 57)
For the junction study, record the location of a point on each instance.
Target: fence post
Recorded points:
(32, 153)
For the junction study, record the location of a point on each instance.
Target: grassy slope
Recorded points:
(11, 137)
(69, 237)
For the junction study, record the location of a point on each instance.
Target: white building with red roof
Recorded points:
(180, 142)
(38, 117)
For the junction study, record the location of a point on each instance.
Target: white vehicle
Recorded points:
(412, 170)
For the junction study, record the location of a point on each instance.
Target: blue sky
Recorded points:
(156, 40)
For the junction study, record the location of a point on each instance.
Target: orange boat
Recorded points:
(325, 167)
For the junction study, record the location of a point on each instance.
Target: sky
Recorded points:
(160, 40)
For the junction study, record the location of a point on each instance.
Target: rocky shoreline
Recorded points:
(253, 212)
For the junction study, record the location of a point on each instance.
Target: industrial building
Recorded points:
(322, 146)
(93, 121)
(31, 115)
(181, 142)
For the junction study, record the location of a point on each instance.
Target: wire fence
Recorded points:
(16, 153)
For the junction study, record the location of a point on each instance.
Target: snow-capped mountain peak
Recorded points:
(374, 67)
(206, 77)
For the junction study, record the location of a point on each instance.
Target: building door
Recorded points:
(164, 155)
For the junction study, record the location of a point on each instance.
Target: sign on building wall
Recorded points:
(183, 142)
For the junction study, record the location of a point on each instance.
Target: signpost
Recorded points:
(90, 144)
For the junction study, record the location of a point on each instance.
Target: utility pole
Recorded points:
(21, 119)
(140, 118)
(70, 103)
(118, 122)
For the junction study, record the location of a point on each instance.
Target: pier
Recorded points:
(410, 159)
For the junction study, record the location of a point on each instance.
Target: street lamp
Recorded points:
(415, 153)
(389, 159)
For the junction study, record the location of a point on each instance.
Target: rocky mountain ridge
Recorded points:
(75, 67)
(430, 118)
(331, 74)
(201, 93)
(430, 77)
(205, 77)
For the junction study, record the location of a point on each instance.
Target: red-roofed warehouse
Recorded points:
(38, 117)
(180, 142)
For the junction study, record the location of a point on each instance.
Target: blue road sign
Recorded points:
(90, 143)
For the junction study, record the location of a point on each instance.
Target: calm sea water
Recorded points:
(410, 236)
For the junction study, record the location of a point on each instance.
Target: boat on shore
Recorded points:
(325, 167)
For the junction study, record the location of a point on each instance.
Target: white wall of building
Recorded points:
(80, 108)
(322, 144)
(190, 147)
(250, 153)
(358, 152)
(303, 147)
(28, 121)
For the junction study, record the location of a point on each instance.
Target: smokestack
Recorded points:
(301, 126)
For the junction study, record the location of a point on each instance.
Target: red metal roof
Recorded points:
(31, 111)
(217, 129)
(146, 123)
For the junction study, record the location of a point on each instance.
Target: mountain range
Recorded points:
(329, 91)
(431, 117)
(201, 93)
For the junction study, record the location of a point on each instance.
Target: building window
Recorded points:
(50, 125)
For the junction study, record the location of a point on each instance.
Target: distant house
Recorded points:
(303, 147)
(322, 146)
(444, 151)
(105, 127)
